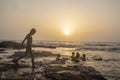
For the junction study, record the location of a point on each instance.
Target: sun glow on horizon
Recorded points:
(67, 30)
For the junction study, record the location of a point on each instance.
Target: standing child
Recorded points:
(28, 38)
(73, 56)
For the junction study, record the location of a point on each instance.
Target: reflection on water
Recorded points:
(109, 66)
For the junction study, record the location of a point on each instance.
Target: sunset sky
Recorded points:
(61, 20)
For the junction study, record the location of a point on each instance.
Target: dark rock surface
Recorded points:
(10, 44)
(44, 46)
(97, 58)
(2, 50)
(73, 73)
(17, 45)
(51, 72)
(36, 54)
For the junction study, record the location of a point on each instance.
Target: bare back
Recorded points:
(29, 41)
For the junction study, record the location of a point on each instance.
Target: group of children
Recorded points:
(76, 57)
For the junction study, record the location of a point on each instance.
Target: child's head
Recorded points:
(73, 53)
(84, 55)
(32, 31)
(58, 55)
(77, 54)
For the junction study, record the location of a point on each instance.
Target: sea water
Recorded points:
(108, 51)
(109, 66)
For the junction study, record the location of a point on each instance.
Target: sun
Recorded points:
(67, 32)
(67, 29)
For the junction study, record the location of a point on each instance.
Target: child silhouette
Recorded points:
(28, 38)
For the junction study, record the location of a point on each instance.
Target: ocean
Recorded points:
(109, 52)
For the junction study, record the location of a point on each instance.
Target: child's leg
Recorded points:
(32, 60)
(16, 60)
(22, 56)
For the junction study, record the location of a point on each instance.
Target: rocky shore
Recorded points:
(36, 54)
(73, 73)
(53, 70)
(17, 45)
(44, 70)
(49, 72)
(10, 44)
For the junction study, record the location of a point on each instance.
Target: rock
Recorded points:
(1, 58)
(44, 46)
(97, 58)
(3, 75)
(12, 66)
(38, 76)
(22, 61)
(2, 68)
(10, 44)
(36, 54)
(17, 45)
(73, 73)
(2, 50)
(59, 72)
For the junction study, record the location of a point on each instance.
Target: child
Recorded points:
(83, 57)
(77, 57)
(73, 56)
(28, 38)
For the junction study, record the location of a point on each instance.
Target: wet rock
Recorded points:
(60, 72)
(10, 44)
(25, 74)
(22, 61)
(44, 46)
(97, 58)
(1, 58)
(3, 75)
(17, 45)
(2, 68)
(38, 64)
(2, 50)
(73, 73)
(36, 54)
(38, 76)
(8, 66)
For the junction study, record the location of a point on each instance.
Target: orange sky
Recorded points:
(86, 20)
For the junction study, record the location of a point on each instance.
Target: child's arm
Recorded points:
(24, 40)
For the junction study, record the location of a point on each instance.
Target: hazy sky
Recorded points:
(84, 20)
